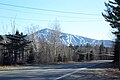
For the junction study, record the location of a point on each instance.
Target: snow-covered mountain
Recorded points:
(72, 39)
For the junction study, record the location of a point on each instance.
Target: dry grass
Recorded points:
(113, 71)
(8, 67)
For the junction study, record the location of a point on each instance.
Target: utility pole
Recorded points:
(118, 36)
(119, 50)
(119, 56)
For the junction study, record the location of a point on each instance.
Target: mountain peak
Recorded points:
(68, 39)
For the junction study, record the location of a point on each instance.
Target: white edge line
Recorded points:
(74, 72)
(70, 73)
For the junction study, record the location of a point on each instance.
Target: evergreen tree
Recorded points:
(14, 48)
(101, 48)
(113, 17)
(59, 58)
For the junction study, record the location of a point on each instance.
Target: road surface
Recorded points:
(69, 71)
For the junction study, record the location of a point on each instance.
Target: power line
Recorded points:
(26, 19)
(39, 13)
(68, 12)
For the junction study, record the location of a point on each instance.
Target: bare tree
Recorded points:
(35, 44)
(55, 36)
(13, 26)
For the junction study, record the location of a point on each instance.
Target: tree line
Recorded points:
(30, 49)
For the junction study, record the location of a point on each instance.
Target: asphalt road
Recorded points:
(69, 71)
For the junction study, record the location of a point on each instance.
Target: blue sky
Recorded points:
(88, 23)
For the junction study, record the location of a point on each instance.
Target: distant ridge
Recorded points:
(67, 39)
